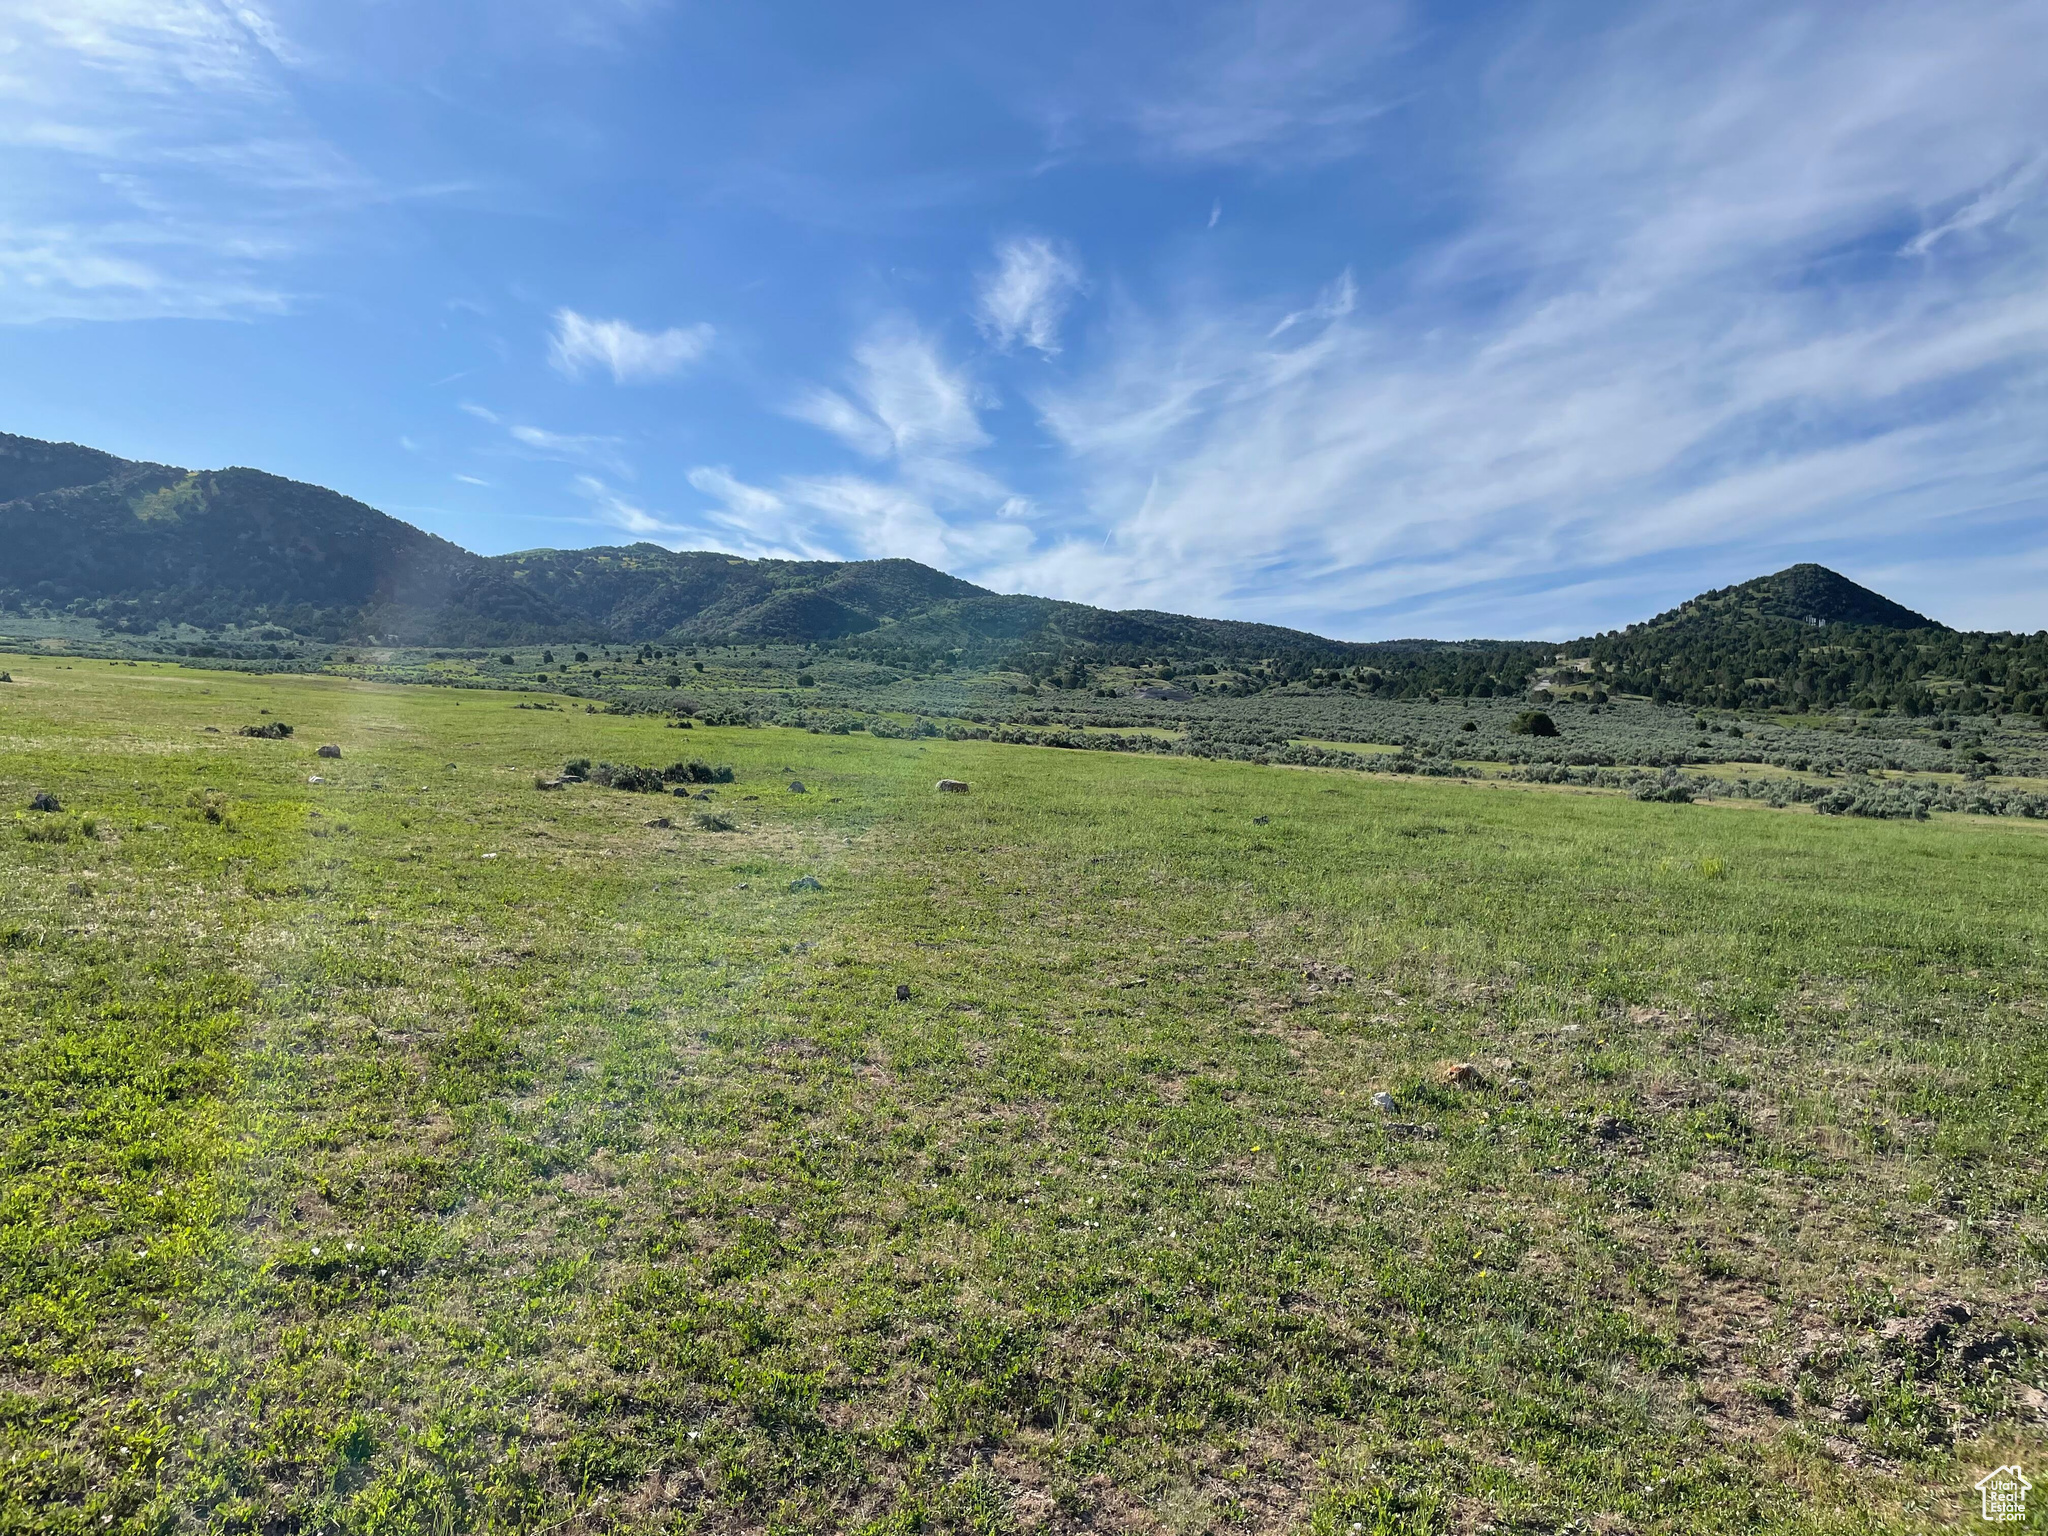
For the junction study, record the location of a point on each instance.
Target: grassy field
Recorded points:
(420, 1152)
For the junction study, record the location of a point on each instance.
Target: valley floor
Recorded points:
(416, 1150)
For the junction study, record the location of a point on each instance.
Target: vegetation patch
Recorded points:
(1143, 1141)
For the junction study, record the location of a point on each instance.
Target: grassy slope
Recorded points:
(356, 1179)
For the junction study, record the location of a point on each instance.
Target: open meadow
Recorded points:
(1132, 1143)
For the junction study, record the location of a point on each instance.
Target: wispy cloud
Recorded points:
(615, 510)
(598, 450)
(1022, 299)
(1676, 336)
(906, 399)
(1270, 82)
(156, 162)
(739, 498)
(906, 406)
(1334, 303)
(631, 356)
(574, 447)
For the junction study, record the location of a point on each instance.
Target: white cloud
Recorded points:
(588, 447)
(1675, 336)
(1021, 301)
(631, 356)
(1274, 81)
(157, 165)
(1334, 303)
(829, 409)
(740, 499)
(910, 402)
(620, 513)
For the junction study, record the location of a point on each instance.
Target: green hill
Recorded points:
(137, 546)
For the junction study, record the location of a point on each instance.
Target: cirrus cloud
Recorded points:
(631, 356)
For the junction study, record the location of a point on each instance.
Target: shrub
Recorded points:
(1533, 722)
(627, 777)
(58, 829)
(276, 730)
(697, 771)
(211, 804)
(714, 821)
(577, 769)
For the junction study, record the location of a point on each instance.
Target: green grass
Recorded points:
(419, 1151)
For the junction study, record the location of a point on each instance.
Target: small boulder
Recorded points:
(44, 801)
(805, 883)
(330, 750)
(314, 778)
(952, 787)
(902, 991)
(1462, 1074)
(209, 730)
(1383, 1101)
(659, 821)
(796, 787)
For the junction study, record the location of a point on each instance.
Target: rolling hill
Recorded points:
(138, 546)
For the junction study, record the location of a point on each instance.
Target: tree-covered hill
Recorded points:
(138, 546)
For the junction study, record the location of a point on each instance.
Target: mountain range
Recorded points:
(138, 546)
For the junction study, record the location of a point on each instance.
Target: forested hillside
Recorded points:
(138, 547)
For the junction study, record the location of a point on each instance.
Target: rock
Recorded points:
(44, 801)
(1383, 1101)
(806, 883)
(952, 787)
(659, 821)
(329, 750)
(1260, 821)
(209, 730)
(796, 787)
(902, 991)
(6, 677)
(314, 778)
(1462, 1074)
(1851, 1409)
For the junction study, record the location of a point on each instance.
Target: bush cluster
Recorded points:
(643, 781)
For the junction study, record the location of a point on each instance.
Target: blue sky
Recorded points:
(1371, 318)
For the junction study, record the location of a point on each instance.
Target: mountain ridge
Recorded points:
(138, 545)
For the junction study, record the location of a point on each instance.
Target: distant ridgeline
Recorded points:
(138, 547)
